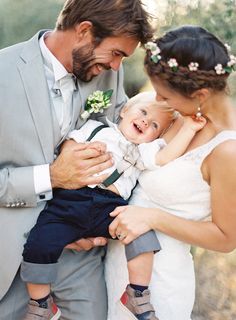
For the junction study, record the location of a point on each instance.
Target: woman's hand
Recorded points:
(87, 244)
(130, 223)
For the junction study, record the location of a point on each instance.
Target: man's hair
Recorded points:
(109, 18)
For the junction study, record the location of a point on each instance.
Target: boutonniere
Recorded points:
(97, 102)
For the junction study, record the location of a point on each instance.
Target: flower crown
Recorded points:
(193, 66)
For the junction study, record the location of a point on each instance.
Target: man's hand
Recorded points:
(77, 164)
(87, 244)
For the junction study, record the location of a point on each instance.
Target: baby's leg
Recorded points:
(140, 269)
(139, 254)
(38, 291)
(136, 298)
(43, 249)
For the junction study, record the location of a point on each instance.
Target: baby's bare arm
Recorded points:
(179, 143)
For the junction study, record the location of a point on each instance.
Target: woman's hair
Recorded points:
(189, 44)
(109, 18)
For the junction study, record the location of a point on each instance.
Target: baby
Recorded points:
(74, 214)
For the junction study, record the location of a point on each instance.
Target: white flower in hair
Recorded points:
(228, 48)
(219, 69)
(173, 64)
(152, 46)
(193, 66)
(155, 50)
(232, 61)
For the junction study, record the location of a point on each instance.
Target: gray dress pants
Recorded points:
(79, 290)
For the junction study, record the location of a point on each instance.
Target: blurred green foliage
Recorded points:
(218, 17)
(21, 19)
(135, 76)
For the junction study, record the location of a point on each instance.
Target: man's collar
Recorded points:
(51, 61)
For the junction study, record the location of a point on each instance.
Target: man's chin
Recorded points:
(90, 74)
(87, 77)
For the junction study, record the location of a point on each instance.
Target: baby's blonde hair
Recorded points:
(149, 97)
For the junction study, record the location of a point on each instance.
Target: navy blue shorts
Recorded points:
(69, 216)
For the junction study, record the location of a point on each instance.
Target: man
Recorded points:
(88, 43)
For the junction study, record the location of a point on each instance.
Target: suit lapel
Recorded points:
(35, 84)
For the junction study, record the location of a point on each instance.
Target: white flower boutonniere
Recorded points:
(97, 102)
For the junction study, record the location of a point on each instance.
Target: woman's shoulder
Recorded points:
(226, 146)
(224, 151)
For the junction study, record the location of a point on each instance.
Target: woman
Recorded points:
(188, 68)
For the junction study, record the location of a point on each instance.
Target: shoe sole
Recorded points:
(57, 315)
(126, 310)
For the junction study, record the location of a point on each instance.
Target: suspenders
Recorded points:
(115, 174)
(95, 131)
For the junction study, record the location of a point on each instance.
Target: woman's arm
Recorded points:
(218, 234)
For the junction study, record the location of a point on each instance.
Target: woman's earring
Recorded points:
(198, 114)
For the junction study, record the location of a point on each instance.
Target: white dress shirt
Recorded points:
(54, 72)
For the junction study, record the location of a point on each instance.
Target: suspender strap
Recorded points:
(95, 131)
(115, 174)
(112, 178)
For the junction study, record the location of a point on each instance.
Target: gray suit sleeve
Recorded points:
(17, 187)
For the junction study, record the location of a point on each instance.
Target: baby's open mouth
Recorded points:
(138, 128)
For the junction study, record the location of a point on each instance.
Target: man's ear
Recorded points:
(201, 95)
(83, 31)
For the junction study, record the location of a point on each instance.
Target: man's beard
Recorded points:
(83, 61)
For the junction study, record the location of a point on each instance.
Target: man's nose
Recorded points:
(115, 63)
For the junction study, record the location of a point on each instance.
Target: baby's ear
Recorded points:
(123, 111)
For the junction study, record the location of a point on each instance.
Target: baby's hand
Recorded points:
(194, 123)
(97, 145)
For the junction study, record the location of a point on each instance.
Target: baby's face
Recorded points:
(143, 122)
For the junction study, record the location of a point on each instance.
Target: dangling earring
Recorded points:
(198, 113)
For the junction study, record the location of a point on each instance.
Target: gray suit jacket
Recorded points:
(28, 137)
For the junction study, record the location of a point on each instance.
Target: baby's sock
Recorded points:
(42, 302)
(138, 287)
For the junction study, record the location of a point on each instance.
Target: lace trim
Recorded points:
(198, 154)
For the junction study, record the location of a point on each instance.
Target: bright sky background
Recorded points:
(159, 6)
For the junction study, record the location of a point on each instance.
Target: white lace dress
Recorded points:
(177, 188)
